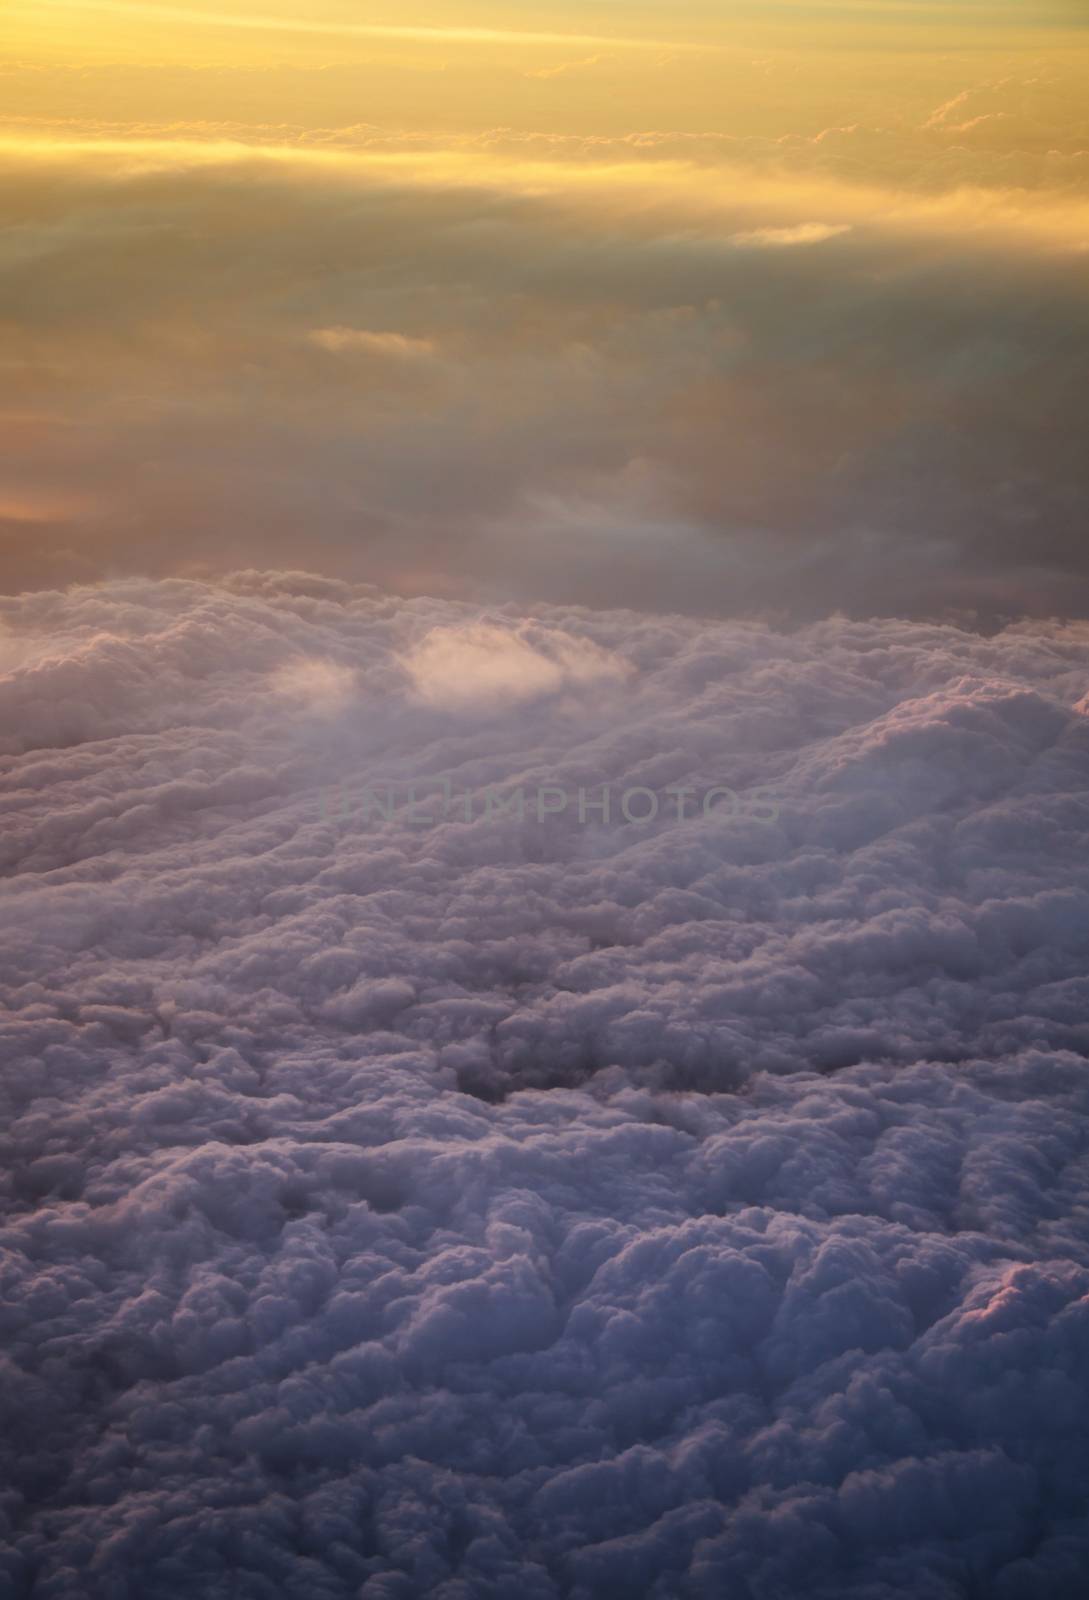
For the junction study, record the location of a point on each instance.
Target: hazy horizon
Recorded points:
(776, 309)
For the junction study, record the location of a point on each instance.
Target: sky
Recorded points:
(756, 309)
(544, 801)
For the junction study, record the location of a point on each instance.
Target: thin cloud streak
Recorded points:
(264, 23)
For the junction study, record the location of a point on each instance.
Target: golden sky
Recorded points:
(753, 305)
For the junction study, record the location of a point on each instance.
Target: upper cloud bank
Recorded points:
(503, 1206)
(640, 379)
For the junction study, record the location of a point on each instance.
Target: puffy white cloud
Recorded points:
(510, 1204)
(321, 686)
(467, 665)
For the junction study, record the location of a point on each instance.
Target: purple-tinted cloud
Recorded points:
(516, 1206)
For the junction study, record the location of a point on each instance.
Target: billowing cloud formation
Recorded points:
(521, 1206)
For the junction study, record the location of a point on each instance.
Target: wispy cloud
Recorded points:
(395, 346)
(788, 238)
(264, 22)
(939, 116)
(570, 69)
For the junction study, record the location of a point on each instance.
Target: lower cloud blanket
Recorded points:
(476, 1199)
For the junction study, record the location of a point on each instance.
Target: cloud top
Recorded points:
(478, 665)
(505, 1205)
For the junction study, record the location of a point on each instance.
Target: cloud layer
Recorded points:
(649, 370)
(516, 1206)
